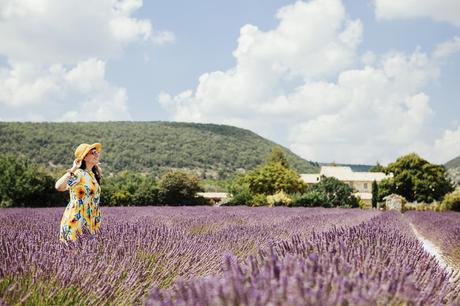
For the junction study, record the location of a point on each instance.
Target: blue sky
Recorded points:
(345, 81)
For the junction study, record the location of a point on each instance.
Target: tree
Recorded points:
(311, 198)
(119, 189)
(178, 188)
(336, 193)
(241, 194)
(272, 177)
(377, 168)
(277, 156)
(416, 179)
(375, 194)
(147, 192)
(23, 183)
(452, 200)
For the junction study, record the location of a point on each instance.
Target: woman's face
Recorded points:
(92, 157)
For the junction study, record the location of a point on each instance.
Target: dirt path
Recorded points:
(435, 251)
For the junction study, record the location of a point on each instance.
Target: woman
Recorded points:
(83, 179)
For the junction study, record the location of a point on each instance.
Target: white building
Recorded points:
(214, 197)
(360, 181)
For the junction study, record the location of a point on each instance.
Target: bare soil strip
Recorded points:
(435, 251)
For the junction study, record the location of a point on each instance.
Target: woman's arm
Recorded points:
(61, 184)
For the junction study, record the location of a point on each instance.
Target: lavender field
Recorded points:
(230, 256)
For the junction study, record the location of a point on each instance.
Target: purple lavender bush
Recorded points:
(379, 262)
(442, 229)
(218, 255)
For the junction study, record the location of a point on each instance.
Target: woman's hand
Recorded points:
(76, 165)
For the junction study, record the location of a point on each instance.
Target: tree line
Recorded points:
(273, 182)
(209, 150)
(25, 183)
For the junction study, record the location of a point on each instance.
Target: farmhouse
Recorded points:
(361, 182)
(214, 197)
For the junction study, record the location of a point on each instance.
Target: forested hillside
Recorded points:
(454, 163)
(453, 169)
(209, 149)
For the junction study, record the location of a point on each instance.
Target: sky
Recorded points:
(333, 80)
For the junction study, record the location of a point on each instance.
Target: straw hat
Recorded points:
(84, 148)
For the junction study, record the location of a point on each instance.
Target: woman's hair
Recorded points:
(96, 172)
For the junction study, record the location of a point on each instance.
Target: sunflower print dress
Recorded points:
(82, 211)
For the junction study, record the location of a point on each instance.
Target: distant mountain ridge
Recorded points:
(454, 163)
(149, 147)
(453, 169)
(354, 168)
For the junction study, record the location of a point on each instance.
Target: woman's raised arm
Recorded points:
(61, 184)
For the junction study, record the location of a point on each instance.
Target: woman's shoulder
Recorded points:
(79, 171)
(75, 178)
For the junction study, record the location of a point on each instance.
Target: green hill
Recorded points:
(210, 150)
(453, 169)
(454, 163)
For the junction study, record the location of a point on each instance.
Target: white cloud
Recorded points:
(301, 84)
(440, 10)
(312, 40)
(57, 52)
(58, 92)
(442, 149)
(447, 48)
(70, 31)
(164, 37)
(447, 147)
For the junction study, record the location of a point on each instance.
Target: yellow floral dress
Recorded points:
(83, 209)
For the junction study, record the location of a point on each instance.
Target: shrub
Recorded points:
(258, 199)
(435, 206)
(241, 195)
(363, 205)
(24, 183)
(127, 188)
(279, 199)
(121, 198)
(311, 198)
(178, 188)
(452, 200)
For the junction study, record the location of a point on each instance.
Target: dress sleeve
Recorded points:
(75, 178)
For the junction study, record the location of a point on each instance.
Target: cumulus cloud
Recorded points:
(57, 51)
(77, 94)
(312, 40)
(440, 10)
(447, 48)
(304, 85)
(447, 147)
(440, 150)
(69, 31)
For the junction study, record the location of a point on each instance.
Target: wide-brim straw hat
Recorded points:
(84, 148)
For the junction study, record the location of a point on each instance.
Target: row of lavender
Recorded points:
(141, 248)
(442, 229)
(379, 262)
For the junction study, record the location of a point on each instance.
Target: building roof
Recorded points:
(212, 195)
(344, 174)
(310, 178)
(394, 196)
